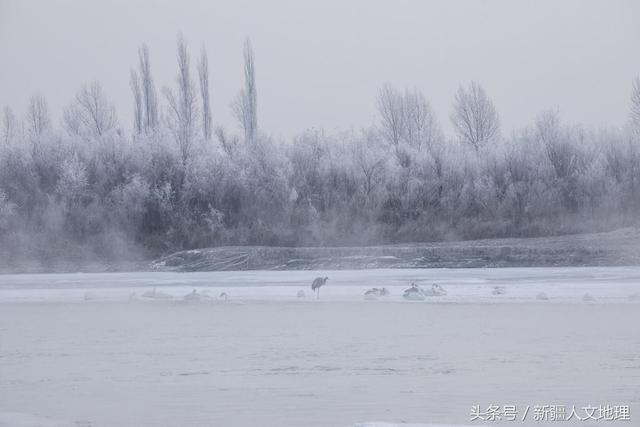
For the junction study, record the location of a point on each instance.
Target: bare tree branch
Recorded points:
(38, 120)
(203, 74)
(246, 103)
(182, 105)
(635, 103)
(474, 117)
(91, 114)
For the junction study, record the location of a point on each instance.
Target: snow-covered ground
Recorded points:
(560, 285)
(78, 350)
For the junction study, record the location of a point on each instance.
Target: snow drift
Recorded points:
(598, 249)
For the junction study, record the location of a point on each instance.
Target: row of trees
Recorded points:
(91, 190)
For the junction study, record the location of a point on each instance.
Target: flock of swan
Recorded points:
(416, 293)
(155, 294)
(413, 293)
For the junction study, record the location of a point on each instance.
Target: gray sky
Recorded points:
(321, 63)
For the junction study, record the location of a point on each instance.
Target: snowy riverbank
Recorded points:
(616, 248)
(521, 285)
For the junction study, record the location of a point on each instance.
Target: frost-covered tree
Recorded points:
(556, 147)
(391, 110)
(369, 160)
(90, 114)
(203, 77)
(9, 125)
(635, 103)
(228, 142)
(397, 181)
(568, 155)
(137, 102)
(38, 120)
(73, 180)
(245, 106)
(474, 116)
(131, 199)
(407, 118)
(7, 210)
(183, 108)
(149, 96)
(421, 128)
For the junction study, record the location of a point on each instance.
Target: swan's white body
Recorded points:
(374, 293)
(154, 294)
(435, 291)
(195, 296)
(414, 293)
(499, 290)
(542, 296)
(370, 295)
(88, 296)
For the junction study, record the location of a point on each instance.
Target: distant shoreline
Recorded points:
(615, 248)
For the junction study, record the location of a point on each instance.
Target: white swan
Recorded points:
(154, 294)
(89, 296)
(414, 293)
(374, 293)
(195, 296)
(542, 296)
(149, 294)
(435, 291)
(499, 290)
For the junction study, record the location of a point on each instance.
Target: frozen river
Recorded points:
(90, 350)
(561, 285)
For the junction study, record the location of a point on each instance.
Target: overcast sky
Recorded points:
(321, 63)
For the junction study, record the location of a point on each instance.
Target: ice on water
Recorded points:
(514, 285)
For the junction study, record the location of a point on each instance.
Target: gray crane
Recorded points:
(317, 283)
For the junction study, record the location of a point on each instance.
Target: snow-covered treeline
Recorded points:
(96, 186)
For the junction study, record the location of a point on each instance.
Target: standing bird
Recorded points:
(317, 283)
